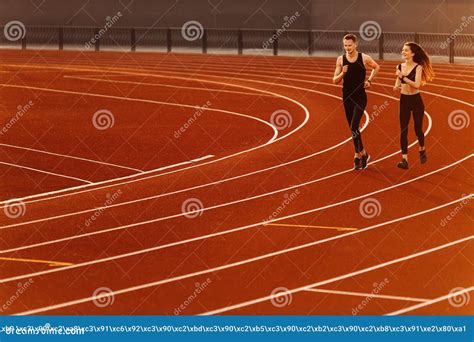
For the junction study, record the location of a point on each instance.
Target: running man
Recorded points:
(351, 68)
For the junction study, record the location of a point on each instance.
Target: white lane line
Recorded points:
(321, 83)
(305, 110)
(369, 295)
(168, 217)
(330, 78)
(279, 73)
(314, 243)
(282, 61)
(311, 64)
(303, 72)
(278, 165)
(45, 172)
(154, 170)
(440, 69)
(70, 157)
(292, 67)
(182, 163)
(259, 74)
(432, 301)
(272, 127)
(132, 99)
(292, 70)
(255, 81)
(255, 301)
(331, 280)
(218, 182)
(166, 85)
(137, 224)
(251, 81)
(209, 184)
(282, 77)
(304, 81)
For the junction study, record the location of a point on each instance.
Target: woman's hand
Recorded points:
(400, 74)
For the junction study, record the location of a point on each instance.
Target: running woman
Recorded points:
(351, 68)
(411, 75)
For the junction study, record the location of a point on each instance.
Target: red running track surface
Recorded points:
(223, 185)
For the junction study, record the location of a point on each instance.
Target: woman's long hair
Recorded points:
(422, 58)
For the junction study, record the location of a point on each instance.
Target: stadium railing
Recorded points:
(383, 45)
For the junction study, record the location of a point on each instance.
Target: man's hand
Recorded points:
(367, 84)
(344, 69)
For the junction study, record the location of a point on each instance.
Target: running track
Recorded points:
(250, 209)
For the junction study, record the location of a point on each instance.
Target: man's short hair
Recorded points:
(351, 36)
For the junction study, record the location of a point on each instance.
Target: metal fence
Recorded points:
(233, 41)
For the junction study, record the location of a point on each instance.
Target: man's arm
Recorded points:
(369, 62)
(339, 72)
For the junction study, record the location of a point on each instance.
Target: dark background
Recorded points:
(438, 16)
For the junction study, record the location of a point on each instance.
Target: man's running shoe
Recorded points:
(364, 160)
(356, 163)
(423, 157)
(403, 164)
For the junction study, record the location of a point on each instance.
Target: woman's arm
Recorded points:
(417, 83)
(398, 83)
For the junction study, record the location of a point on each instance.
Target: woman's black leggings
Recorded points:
(354, 108)
(408, 104)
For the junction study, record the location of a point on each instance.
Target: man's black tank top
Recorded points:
(354, 79)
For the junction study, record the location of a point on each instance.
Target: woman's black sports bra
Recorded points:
(411, 76)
